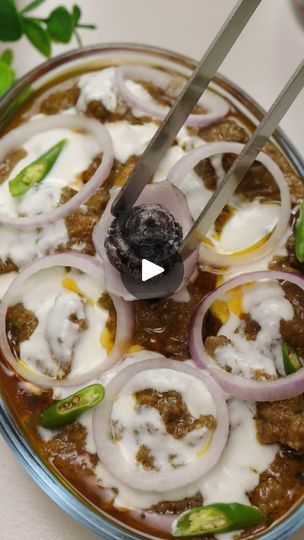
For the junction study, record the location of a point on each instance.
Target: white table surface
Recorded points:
(262, 60)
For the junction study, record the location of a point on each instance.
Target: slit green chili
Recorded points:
(299, 234)
(217, 518)
(36, 171)
(68, 409)
(290, 359)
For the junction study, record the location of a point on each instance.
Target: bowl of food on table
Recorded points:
(180, 416)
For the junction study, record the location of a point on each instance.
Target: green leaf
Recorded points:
(61, 25)
(7, 77)
(36, 171)
(38, 36)
(7, 57)
(33, 5)
(10, 21)
(76, 14)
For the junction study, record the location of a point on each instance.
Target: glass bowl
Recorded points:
(93, 57)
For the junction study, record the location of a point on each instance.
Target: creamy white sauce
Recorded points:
(76, 156)
(187, 141)
(99, 86)
(139, 425)
(57, 340)
(171, 157)
(261, 264)
(23, 246)
(143, 95)
(251, 222)
(128, 139)
(61, 333)
(265, 302)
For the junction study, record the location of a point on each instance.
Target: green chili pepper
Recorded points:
(290, 359)
(36, 171)
(299, 234)
(67, 410)
(217, 518)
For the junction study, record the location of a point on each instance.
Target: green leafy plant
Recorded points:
(59, 27)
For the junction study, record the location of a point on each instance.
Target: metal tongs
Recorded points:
(181, 109)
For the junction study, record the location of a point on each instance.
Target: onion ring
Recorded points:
(207, 254)
(110, 455)
(16, 138)
(93, 268)
(218, 106)
(247, 389)
(160, 192)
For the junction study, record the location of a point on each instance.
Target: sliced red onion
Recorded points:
(17, 137)
(110, 455)
(216, 106)
(94, 268)
(207, 254)
(160, 192)
(236, 385)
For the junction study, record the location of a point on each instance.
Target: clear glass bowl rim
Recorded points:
(101, 524)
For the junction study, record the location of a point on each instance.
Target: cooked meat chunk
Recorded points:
(174, 412)
(20, 324)
(96, 109)
(157, 93)
(123, 171)
(7, 266)
(59, 101)
(227, 130)
(206, 172)
(279, 487)
(222, 219)
(295, 295)
(292, 332)
(86, 175)
(258, 183)
(10, 162)
(251, 327)
(295, 184)
(290, 262)
(281, 422)
(163, 325)
(81, 222)
(145, 458)
(177, 507)
(213, 342)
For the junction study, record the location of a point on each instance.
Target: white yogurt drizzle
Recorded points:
(266, 304)
(23, 246)
(58, 341)
(140, 425)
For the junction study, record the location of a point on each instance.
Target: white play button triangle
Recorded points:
(150, 270)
